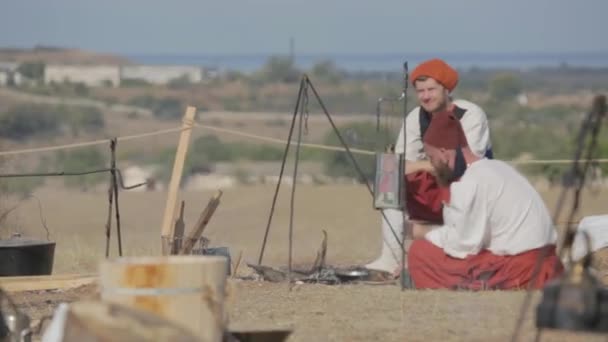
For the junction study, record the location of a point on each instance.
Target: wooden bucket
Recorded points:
(188, 290)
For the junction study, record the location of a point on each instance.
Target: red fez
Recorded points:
(438, 70)
(445, 131)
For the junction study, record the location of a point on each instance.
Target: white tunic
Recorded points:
(493, 207)
(474, 123)
(596, 228)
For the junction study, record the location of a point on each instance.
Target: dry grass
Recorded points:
(315, 312)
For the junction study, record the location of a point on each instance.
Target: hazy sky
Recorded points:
(318, 26)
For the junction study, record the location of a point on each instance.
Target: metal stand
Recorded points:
(301, 108)
(113, 198)
(405, 279)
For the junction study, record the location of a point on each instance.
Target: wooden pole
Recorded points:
(202, 222)
(168, 224)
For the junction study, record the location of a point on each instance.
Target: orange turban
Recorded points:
(438, 70)
(445, 131)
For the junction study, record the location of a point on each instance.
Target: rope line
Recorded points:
(250, 136)
(89, 143)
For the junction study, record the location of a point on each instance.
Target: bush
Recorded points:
(167, 108)
(134, 82)
(21, 186)
(208, 149)
(180, 82)
(213, 149)
(328, 72)
(23, 121)
(89, 119)
(84, 159)
(231, 104)
(505, 86)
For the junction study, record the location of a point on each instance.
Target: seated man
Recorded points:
(434, 80)
(495, 223)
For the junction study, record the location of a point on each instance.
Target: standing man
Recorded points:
(495, 223)
(434, 80)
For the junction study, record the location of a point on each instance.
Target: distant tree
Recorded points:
(32, 70)
(328, 71)
(280, 69)
(235, 75)
(180, 82)
(134, 82)
(167, 108)
(356, 135)
(81, 89)
(107, 83)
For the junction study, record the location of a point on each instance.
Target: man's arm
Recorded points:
(465, 226)
(420, 165)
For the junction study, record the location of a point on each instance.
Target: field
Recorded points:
(76, 220)
(315, 312)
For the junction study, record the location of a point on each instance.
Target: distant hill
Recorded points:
(58, 55)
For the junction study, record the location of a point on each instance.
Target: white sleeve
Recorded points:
(464, 231)
(414, 149)
(475, 126)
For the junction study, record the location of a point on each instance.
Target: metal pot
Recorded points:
(26, 257)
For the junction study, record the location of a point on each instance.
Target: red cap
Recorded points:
(445, 131)
(438, 70)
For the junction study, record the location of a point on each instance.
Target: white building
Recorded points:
(162, 74)
(9, 75)
(93, 75)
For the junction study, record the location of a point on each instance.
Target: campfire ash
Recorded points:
(321, 273)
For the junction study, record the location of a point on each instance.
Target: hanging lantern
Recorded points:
(389, 176)
(388, 189)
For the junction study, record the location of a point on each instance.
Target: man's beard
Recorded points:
(444, 174)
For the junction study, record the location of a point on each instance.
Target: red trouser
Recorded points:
(431, 268)
(425, 197)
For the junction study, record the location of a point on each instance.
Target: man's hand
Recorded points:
(419, 229)
(421, 165)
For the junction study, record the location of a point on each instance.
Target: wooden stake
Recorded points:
(178, 233)
(202, 222)
(167, 229)
(236, 265)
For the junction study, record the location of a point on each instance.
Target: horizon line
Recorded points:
(314, 53)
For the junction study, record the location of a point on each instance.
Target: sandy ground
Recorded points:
(314, 312)
(356, 312)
